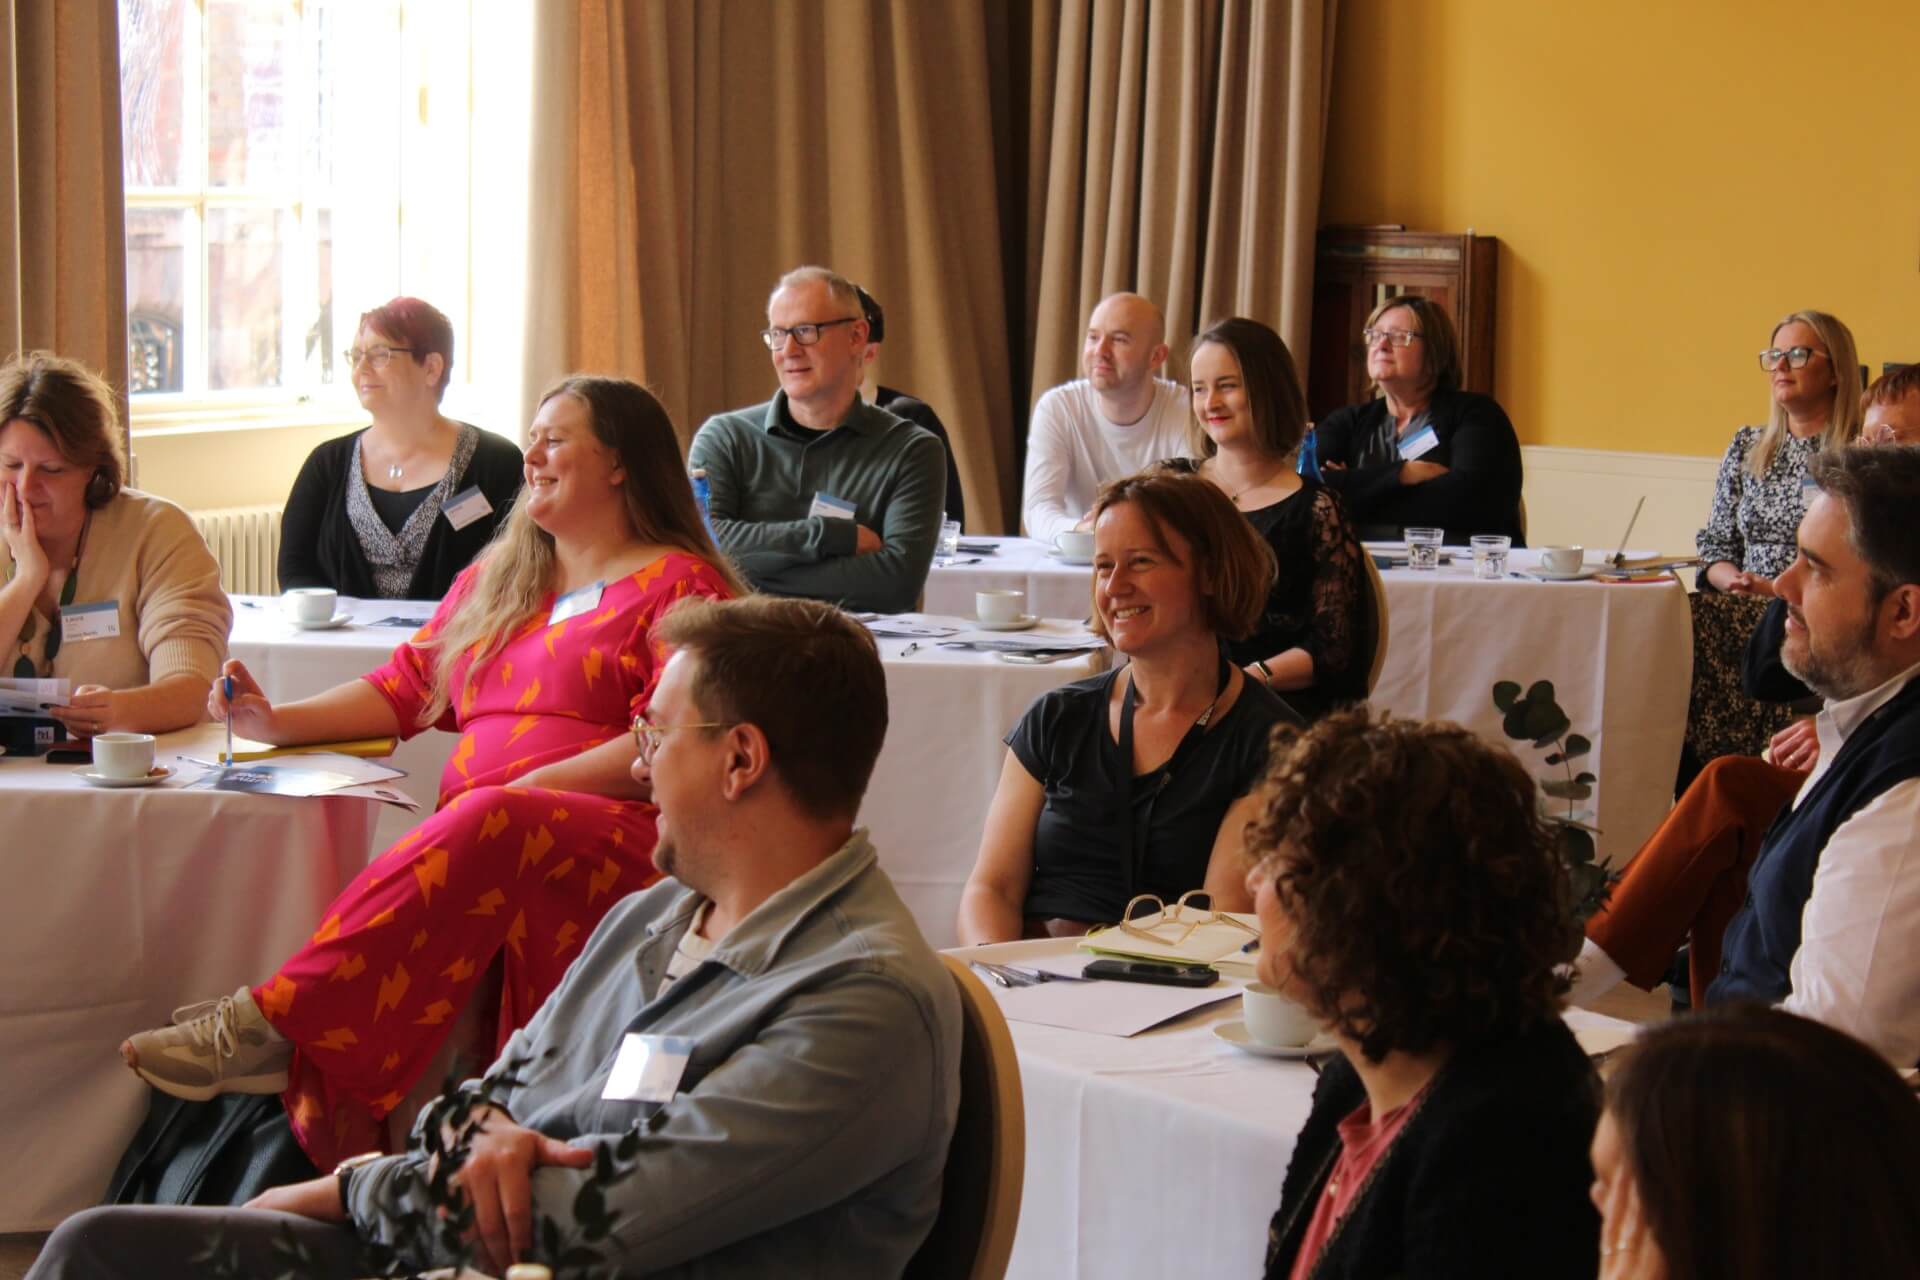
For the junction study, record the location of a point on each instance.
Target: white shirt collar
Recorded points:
(1838, 721)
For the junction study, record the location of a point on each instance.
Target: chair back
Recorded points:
(1379, 586)
(1522, 520)
(972, 1237)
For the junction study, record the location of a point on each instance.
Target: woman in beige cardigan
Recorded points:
(104, 586)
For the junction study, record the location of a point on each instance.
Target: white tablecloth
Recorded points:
(926, 806)
(121, 905)
(1159, 1155)
(1620, 657)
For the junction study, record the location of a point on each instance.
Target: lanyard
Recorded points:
(1138, 823)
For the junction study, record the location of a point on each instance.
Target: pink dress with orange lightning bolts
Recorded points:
(524, 873)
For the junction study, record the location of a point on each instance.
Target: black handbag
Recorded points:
(221, 1152)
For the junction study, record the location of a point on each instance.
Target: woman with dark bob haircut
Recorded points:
(1137, 781)
(1411, 897)
(1747, 1143)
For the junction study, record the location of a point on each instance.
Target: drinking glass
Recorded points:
(948, 548)
(1490, 555)
(1423, 548)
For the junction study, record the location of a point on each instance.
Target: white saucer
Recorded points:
(1064, 558)
(1235, 1034)
(1547, 575)
(160, 774)
(340, 619)
(1024, 622)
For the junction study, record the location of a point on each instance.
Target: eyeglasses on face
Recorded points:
(804, 334)
(379, 355)
(1393, 337)
(1793, 357)
(647, 734)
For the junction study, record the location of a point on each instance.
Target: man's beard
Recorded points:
(1846, 670)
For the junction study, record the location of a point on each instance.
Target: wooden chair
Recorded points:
(1379, 623)
(980, 1195)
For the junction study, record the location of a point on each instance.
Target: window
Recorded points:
(289, 164)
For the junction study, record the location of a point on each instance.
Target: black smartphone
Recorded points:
(1166, 975)
(69, 755)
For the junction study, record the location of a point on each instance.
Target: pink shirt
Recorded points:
(1364, 1144)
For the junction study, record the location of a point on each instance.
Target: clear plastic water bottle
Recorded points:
(1310, 458)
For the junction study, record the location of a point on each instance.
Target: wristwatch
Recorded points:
(343, 1174)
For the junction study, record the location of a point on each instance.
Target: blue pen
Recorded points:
(226, 687)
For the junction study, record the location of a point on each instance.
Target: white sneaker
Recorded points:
(214, 1047)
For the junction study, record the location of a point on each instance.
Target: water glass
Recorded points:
(1423, 548)
(948, 548)
(1490, 555)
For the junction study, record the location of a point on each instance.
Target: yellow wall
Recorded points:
(1666, 180)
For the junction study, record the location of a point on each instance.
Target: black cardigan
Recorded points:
(921, 414)
(1489, 1178)
(318, 547)
(1479, 494)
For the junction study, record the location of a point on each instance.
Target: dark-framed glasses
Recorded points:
(1793, 357)
(1392, 337)
(379, 355)
(804, 334)
(647, 734)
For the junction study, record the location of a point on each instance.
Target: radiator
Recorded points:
(246, 542)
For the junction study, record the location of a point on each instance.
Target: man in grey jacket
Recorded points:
(815, 1035)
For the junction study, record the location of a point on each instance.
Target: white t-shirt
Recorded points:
(1072, 450)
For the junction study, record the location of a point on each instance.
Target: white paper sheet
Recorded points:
(28, 697)
(1108, 1008)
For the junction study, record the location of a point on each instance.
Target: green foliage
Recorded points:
(1535, 717)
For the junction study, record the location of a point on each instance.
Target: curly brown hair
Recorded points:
(1428, 902)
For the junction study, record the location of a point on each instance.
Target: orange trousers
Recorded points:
(1690, 878)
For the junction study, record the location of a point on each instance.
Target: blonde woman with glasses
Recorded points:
(540, 658)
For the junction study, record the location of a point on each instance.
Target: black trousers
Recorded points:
(158, 1242)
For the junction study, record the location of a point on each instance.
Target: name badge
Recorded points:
(466, 506)
(1420, 443)
(90, 621)
(587, 597)
(648, 1068)
(1809, 487)
(825, 504)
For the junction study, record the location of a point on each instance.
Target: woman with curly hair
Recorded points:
(1411, 897)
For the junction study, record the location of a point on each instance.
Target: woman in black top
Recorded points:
(1425, 453)
(1410, 895)
(1135, 781)
(398, 510)
(1314, 641)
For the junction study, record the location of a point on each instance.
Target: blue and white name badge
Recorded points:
(580, 601)
(648, 1068)
(1420, 443)
(825, 504)
(466, 506)
(1809, 487)
(90, 621)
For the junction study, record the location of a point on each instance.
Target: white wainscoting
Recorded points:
(1586, 495)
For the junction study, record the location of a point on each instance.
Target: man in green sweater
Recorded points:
(817, 493)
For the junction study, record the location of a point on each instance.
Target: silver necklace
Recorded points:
(393, 471)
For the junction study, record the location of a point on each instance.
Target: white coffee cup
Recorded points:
(1276, 1020)
(123, 755)
(310, 604)
(1562, 559)
(1000, 604)
(1075, 544)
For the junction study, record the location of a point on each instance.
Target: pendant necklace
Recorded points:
(393, 471)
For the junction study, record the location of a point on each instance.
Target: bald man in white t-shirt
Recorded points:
(1117, 420)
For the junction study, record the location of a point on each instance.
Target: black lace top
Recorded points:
(1322, 601)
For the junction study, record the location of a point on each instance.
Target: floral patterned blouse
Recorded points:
(1753, 522)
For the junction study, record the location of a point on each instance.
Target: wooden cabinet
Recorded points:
(1357, 268)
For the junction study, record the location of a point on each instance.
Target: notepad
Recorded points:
(1204, 945)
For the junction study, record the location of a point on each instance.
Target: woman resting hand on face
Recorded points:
(1135, 781)
(101, 585)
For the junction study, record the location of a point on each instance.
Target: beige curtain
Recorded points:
(1175, 149)
(987, 169)
(63, 256)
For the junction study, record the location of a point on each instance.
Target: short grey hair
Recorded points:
(841, 289)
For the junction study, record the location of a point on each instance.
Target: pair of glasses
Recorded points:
(379, 355)
(1392, 337)
(1183, 918)
(804, 334)
(647, 734)
(1793, 357)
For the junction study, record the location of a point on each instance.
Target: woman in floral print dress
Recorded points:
(539, 658)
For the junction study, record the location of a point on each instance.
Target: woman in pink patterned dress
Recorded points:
(540, 657)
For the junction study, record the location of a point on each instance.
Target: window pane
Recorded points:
(249, 73)
(243, 297)
(156, 300)
(321, 365)
(152, 35)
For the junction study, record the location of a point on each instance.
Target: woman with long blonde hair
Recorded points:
(540, 657)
